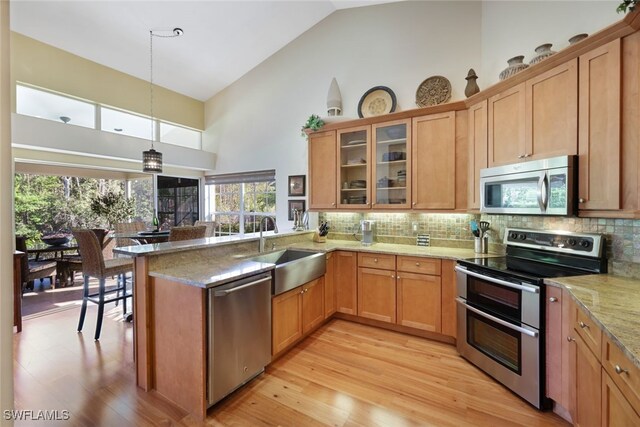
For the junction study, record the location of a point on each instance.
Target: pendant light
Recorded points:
(152, 159)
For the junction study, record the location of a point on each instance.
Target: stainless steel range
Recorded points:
(501, 303)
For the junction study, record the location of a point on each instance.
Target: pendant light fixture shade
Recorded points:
(152, 159)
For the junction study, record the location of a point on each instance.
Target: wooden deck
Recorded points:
(345, 374)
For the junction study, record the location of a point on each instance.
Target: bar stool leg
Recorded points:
(100, 308)
(124, 293)
(83, 310)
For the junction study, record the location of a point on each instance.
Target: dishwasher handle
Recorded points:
(226, 292)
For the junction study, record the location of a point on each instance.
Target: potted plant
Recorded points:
(113, 207)
(627, 4)
(313, 123)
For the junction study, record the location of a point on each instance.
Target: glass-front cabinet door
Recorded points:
(354, 168)
(391, 165)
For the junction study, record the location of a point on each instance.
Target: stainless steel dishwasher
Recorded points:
(239, 333)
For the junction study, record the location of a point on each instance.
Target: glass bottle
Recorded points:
(155, 222)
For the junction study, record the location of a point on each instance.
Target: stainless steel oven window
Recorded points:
(502, 301)
(501, 344)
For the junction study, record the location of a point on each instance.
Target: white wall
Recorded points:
(255, 123)
(512, 28)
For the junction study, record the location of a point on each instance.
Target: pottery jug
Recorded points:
(542, 52)
(472, 87)
(577, 38)
(515, 66)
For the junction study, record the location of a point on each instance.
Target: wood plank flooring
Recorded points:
(344, 374)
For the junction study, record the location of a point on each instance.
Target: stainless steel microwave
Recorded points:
(538, 187)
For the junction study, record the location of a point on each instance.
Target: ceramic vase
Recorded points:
(334, 99)
(542, 52)
(472, 87)
(577, 38)
(515, 66)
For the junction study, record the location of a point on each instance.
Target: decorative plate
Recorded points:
(433, 91)
(376, 101)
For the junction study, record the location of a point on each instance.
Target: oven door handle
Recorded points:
(498, 281)
(497, 320)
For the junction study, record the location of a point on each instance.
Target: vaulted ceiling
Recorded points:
(222, 40)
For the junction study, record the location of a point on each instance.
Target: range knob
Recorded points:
(585, 243)
(513, 236)
(571, 242)
(522, 236)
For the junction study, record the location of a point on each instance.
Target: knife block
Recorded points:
(318, 238)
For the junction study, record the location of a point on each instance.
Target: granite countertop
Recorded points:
(613, 302)
(232, 267)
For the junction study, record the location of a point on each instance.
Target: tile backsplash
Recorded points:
(623, 235)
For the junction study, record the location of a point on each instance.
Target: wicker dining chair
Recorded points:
(128, 227)
(95, 265)
(32, 269)
(187, 232)
(211, 227)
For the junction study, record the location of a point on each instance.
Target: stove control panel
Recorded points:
(560, 241)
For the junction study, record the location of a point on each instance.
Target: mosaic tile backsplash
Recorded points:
(623, 235)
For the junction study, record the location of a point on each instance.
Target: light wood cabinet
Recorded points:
(624, 373)
(599, 131)
(322, 170)
(295, 313)
(434, 161)
(506, 126)
(419, 301)
(616, 409)
(586, 381)
(554, 345)
(346, 282)
(551, 112)
(377, 294)
(374, 260)
(354, 168)
(312, 304)
(330, 285)
(477, 157)
(391, 165)
(286, 313)
(449, 293)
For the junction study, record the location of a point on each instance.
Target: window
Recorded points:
(125, 123)
(47, 105)
(237, 202)
(178, 135)
(177, 201)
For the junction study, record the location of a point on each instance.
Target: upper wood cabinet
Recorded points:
(322, 170)
(434, 161)
(599, 132)
(354, 167)
(535, 119)
(477, 140)
(506, 126)
(551, 112)
(391, 164)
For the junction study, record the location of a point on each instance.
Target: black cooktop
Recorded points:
(522, 268)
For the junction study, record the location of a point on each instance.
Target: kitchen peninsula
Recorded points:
(172, 280)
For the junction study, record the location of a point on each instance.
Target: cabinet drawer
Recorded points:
(381, 261)
(414, 264)
(624, 373)
(588, 330)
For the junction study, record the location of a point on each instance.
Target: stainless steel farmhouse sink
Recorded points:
(293, 267)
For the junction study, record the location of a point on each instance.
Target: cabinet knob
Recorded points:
(581, 200)
(417, 264)
(527, 155)
(521, 156)
(333, 204)
(414, 203)
(620, 370)
(375, 260)
(553, 299)
(583, 325)
(570, 339)
(393, 277)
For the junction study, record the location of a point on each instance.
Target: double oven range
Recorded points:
(501, 303)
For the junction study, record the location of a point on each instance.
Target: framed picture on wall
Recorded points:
(296, 204)
(297, 185)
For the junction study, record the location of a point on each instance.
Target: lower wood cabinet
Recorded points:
(346, 282)
(377, 294)
(296, 312)
(585, 382)
(616, 410)
(419, 301)
(330, 286)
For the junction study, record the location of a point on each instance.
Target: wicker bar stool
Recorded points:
(211, 227)
(187, 232)
(94, 265)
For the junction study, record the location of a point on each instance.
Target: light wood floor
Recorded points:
(345, 374)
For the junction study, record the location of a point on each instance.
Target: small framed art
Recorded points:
(297, 185)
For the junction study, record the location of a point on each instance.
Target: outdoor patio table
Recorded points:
(144, 237)
(42, 248)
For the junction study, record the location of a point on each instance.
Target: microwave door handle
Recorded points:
(543, 192)
(497, 281)
(497, 320)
